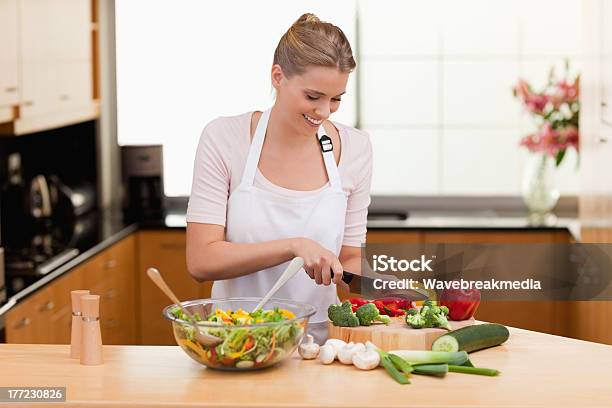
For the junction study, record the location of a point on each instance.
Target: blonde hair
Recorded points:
(310, 41)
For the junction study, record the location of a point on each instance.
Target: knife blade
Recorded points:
(357, 283)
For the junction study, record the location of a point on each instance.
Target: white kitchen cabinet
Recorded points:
(54, 48)
(8, 59)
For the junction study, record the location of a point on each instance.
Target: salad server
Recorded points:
(203, 338)
(295, 265)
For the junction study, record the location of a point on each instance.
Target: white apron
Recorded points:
(255, 215)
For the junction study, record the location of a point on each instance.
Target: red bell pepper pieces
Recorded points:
(389, 306)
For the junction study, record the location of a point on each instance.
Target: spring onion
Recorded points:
(432, 357)
(400, 363)
(473, 370)
(438, 370)
(393, 371)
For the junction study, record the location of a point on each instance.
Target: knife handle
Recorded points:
(347, 277)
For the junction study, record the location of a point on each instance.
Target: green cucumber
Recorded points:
(472, 338)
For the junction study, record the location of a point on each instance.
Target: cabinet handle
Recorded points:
(22, 323)
(28, 103)
(10, 89)
(110, 264)
(111, 293)
(47, 306)
(64, 97)
(111, 323)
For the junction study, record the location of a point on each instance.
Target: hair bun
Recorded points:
(307, 18)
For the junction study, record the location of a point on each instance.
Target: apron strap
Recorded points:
(252, 162)
(327, 150)
(250, 168)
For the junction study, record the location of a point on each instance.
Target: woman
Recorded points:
(270, 186)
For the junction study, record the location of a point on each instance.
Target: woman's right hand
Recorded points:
(319, 262)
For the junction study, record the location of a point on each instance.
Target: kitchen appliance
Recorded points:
(3, 295)
(143, 182)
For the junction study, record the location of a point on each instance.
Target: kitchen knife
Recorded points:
(357, 284)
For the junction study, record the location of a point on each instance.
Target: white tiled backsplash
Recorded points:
(437, 80)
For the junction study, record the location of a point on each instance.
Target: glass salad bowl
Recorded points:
(247, 341)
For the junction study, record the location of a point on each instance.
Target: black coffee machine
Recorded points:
(143, 198)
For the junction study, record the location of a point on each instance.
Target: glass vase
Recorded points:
(539, 189)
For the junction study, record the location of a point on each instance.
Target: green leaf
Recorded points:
(473, 370)
(394, 372)
(559, 157)
(400, 363)
(467, 363)
(438, 370)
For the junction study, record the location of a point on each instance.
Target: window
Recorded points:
(181, 64)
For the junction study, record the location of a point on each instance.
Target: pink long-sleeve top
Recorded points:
(222, 154)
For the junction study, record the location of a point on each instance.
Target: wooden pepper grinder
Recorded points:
(91, 337)
(75, 332)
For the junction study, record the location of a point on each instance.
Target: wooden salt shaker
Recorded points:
(91, 337)
(75, 333)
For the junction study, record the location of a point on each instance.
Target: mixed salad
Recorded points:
(242, 347)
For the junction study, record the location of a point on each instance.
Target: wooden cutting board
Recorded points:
(397, 335)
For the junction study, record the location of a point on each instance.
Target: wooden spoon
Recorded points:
(203, 338)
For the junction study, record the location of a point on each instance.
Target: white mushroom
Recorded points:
(346, 353)
(327, 354)
(370, 346)
(366, 360)
(309, 349)
(337, 344)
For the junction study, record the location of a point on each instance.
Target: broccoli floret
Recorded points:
(342, 315)
(415, 321)
(441, 321)
(368, 313)
(444, 310)
(413, 311)
(429, 303)
(384, 319)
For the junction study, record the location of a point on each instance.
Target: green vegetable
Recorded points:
(394, 372)
(416, 321)
(240, 346)
(400, 363)
(413, 311)
(368, 314)
(438, 370)
(431, 357)
(342, 315)
(468, 363)
(430, 315)
(472, 338)
(473, 370)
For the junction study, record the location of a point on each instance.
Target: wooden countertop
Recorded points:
(537, 370)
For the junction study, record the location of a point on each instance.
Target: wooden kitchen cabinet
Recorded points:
(164, 250)
(8, 60)
(111, 274)
(545, 316)
(46, 316)
(56, 55)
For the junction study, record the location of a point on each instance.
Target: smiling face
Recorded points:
(307, 99)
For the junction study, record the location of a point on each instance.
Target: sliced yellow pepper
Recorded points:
(194, 347)
(286, 313)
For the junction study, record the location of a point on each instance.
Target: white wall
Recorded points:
(180, 64)
(437, 80)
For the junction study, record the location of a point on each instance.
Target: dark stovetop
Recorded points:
(33, 257)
